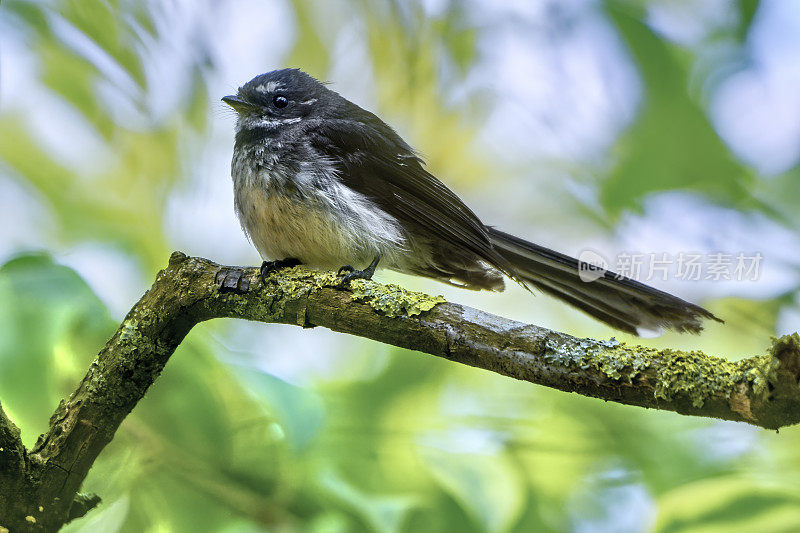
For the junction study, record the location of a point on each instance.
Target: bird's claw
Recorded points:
(355, 274)
(352, 273)
(268, 267)
(345, 268)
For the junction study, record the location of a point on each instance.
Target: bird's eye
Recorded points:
(280, 101)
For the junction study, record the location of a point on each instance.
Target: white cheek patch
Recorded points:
(249, 123)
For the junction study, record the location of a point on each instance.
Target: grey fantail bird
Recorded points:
(322, 182)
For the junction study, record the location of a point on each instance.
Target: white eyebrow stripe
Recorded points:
(308, 102)
(269, 87)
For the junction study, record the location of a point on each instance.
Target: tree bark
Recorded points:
(39, 487)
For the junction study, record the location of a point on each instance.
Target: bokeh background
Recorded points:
(619, 125)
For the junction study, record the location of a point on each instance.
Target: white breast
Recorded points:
(313, 218)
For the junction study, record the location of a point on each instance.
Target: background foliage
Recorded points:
(613, 124)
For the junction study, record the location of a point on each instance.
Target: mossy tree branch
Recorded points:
(12, 455)
(39, 487)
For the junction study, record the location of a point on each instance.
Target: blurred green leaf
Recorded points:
(102, 23)
(31, 14)
(73, 78)
(310, 53)
(51, 326)
(672, 144)
(123, 206)
(299, 411)
(782, 193)
(183, 407)
(458, 37)
(383, 514)
(728, 503)
(488, 485)
(747, 11)
(534, 516)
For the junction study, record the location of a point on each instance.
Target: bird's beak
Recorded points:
(237, 103)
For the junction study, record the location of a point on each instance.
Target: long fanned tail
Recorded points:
(618, 301)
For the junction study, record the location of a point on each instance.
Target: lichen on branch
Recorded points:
(761, 390)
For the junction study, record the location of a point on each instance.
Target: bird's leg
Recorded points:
(358, 274)
(268, 267)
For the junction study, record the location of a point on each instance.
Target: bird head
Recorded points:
(278, 98)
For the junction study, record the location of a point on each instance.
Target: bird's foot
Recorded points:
(346, 268)
(268, 267)
(352, 273)
(232, 280)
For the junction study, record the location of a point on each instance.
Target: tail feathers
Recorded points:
(620, 302)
